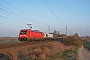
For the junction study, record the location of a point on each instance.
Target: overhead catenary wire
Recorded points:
(23, 12)
(53, 12)
(18, 21)
(43, 24)
(42, 14)
(15, 19)
(15, 13)
(26, 18)
(16, 8)
(55, 15)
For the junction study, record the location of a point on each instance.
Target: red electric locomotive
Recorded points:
(29, 35)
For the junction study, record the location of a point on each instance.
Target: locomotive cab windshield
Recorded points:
(23, 31)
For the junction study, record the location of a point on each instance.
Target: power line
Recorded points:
(4, 7)
(16, 20)
(13, 19)
(17, 9)
(40, 13)
(22, 12)
(52, 11)
(15, 13)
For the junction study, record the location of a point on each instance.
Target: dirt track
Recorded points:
(83, 54)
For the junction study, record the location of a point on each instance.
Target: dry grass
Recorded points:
(73, 40)
(42, 51)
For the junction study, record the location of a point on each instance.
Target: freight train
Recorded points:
(30, 35)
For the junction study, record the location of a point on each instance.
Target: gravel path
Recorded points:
(83, 54)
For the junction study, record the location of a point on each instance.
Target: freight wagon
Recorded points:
(51, 36)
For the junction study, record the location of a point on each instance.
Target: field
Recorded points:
(41, 50)
(46, 50)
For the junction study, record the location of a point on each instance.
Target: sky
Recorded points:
(42, 14)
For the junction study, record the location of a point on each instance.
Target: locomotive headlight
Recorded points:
(20, 35)
(24, 35)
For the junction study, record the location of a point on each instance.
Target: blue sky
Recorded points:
(16, 14)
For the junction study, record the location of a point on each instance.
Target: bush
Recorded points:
(87, 45)
(73, 40)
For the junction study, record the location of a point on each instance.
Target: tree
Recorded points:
(76, 34)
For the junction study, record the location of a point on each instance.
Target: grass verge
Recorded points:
(66, 55)
(11, 42)
(87, 45)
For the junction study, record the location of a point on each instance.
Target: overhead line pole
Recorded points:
(66, 30)
(78, 27)
(48, 28)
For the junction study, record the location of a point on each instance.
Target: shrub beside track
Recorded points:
(87, 45)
